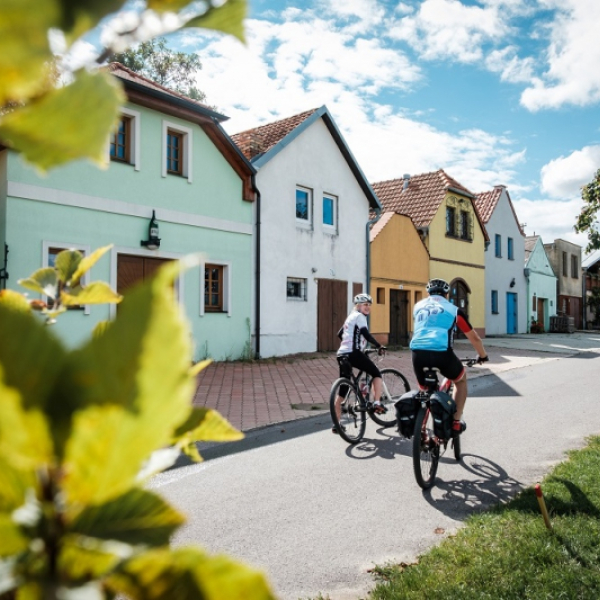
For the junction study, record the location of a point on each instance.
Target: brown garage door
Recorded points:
(131, 269)
(332, 309)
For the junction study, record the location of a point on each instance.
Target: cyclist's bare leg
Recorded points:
(460, 395)
(377, 387)
(338, 407)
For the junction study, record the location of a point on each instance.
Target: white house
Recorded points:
(505, 282)
(311, 229)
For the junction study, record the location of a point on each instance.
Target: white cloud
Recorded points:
(564, 176)
(573, 74)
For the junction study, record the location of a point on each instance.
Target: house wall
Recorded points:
(82, 205)
(399, 260)
(499, 272)
(451, 258)
(541, 284)
(312, 160)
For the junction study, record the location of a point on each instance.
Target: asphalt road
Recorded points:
(315, 514)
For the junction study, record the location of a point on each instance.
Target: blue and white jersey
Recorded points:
(434, 320)
(352, 338)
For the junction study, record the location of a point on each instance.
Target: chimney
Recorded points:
(406, 178)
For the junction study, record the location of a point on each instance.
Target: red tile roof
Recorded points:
(486, 202)
(259, 140)
(422, 197)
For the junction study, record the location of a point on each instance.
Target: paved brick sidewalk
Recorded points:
(266, 392)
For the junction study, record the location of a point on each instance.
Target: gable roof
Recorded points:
(530, 242)
(148, 93)
(261, 144)
(591, 259)
(486, 203)
(420, 196)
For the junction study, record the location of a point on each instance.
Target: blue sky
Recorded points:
(493, 91)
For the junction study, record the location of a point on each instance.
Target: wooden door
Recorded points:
(133, 269)
(541, 317)
(332, 310)
(459, 296)
(399, 307)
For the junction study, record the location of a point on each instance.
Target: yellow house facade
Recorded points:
(399, 274)
(445, 217)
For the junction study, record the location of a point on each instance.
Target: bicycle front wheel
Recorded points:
(347, 413)
(396, 385)
(426, 449)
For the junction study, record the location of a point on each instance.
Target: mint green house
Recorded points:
(541, 284)
(170, 158)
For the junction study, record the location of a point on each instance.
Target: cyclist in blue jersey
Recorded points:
(435, 319)
(354, 334)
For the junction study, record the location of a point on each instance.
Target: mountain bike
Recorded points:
(430, 438)
(356, 403)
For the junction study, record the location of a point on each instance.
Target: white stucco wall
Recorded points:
(312, 160)
(500, 271)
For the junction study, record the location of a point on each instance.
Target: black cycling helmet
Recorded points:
(362, 299)
(438, 287)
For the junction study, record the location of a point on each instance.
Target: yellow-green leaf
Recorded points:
(188, 574)
(25, 439)
(200, 366)
(207, 425)
(134, 387)
(227, 18)
(138, 517)
(24, 49)
(96, 292)
(66, 264)
(14, 301)
(12, 540)
(14, 484)
(88, 262)
(79, 17)
(67, 123)
(43, 281)
(82, 559)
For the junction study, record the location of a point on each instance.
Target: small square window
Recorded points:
(330, 205)
(494, 302)
(120, 141)
(213, 288)
(511, 249)
(450, 221)
(464, 225)
(177, 151)
(303, 205)
(174, 152)
(380, 295)
(296, 288)
(574, 267)
(498, 245)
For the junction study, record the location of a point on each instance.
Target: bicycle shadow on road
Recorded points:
(389, 445)
(485, 484)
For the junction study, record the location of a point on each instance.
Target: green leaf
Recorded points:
(200, 366)
(133, 384)
(66, 264)
(188, 574)
(97, 292)
(12, 540)
(43, 281)
(81, 559)
(88, 262)
(50, 131)
(228, 18)
(207, 425)
(24, 49)
(138, 517)
(79, 16)
(14, 301)
(14, 484)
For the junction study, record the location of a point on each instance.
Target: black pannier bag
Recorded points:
(442, 408)
(406, 412)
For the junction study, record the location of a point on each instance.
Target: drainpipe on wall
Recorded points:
(526, 272)
(368, 232)
(257, 274)
(583, 298)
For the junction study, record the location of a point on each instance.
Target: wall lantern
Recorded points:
(153, 241)
(512, 282)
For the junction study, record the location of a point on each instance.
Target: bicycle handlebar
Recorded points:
(470, 362)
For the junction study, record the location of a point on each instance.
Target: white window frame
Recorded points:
(227, 274)
(303, 287)
(304, 223)
(85, 249)
(326, 227)
(135, 130)
(186, 132)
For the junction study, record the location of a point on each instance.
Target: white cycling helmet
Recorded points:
(362, 298)
(438, 287)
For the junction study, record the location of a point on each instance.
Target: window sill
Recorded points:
(292, 299)
(458, 239)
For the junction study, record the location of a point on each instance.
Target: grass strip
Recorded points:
(508, 553)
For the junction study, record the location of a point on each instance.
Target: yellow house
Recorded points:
(399, 273)
(444, 214)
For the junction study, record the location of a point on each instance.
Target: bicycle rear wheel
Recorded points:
(396, 385)
(352, 419)
(426, 449)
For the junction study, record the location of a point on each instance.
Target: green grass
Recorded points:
(509, 554)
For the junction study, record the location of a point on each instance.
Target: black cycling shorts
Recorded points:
(359, 360)
(447, 362)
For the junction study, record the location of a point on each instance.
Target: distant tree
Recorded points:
(156, 61)
(593, 301)
(587, 221)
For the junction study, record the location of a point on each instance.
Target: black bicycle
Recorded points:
(350, 401)
(433, 426)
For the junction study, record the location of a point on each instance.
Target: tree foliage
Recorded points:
(173, 70)
(587, 221)
(80, 433)
(51, 125)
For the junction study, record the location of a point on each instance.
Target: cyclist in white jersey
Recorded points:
(434, 321)
(355, 335)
